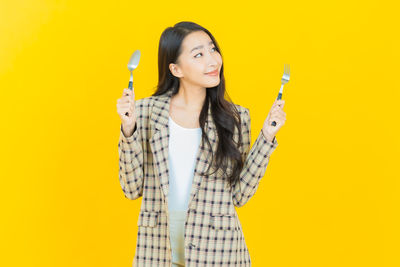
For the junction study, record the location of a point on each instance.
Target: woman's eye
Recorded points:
(201, 53)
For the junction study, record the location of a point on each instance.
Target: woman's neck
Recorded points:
(190, 98)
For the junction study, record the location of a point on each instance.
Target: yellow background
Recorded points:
(330, 196)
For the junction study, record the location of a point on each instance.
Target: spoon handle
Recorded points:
(130, 87)
(130, 82)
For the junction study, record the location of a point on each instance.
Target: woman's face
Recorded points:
(199, 56)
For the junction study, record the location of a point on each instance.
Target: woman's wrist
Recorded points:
(268, 137)
(128, 130)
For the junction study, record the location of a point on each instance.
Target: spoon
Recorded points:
(133, 63)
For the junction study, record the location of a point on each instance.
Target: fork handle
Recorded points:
(278, 98)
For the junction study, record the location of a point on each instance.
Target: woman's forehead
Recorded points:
(195, 41)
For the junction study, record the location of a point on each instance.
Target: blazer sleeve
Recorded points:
(130, 152)
(255, 165)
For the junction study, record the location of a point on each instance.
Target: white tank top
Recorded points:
(183, 147)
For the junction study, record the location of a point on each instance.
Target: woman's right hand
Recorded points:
(126, 111)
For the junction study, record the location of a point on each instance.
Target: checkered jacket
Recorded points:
(213, 232)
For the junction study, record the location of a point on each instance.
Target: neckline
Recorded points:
(182, 126)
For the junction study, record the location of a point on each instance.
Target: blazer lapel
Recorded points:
(159, 143)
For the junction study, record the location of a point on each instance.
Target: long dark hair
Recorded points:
(224, 113)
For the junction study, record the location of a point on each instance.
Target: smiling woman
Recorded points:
(191, 68)
(189, 157)
(199, 63)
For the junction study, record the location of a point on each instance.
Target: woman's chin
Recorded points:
(213, 83)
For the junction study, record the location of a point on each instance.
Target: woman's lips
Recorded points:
(214, 73)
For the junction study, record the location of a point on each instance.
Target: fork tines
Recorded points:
(287, 69)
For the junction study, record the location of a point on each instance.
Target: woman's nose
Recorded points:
(212, 61)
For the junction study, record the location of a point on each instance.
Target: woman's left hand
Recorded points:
(276, 114)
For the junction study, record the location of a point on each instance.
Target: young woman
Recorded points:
(186, 151)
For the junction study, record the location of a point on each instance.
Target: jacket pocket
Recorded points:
(222, 221)
(148, 218)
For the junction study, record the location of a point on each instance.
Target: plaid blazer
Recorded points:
(213, 233)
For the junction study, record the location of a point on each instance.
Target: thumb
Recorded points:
(275, 103)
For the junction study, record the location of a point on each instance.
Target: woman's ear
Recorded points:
(175, 70)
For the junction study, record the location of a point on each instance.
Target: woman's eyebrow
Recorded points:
(200, 46)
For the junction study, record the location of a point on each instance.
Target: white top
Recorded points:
(182, 151)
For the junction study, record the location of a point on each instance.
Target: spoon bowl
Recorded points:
(133, 63)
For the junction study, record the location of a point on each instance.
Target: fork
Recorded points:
(285, 80)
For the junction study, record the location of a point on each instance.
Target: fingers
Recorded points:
(280, 112)
(280, 103)
(125, 107)
(124, 111)
(128, 96)
(127, 92)
(126, 104)
(278, 115)
(277, 110)
(278, 119)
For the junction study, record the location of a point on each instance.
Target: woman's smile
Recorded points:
(213, 73)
